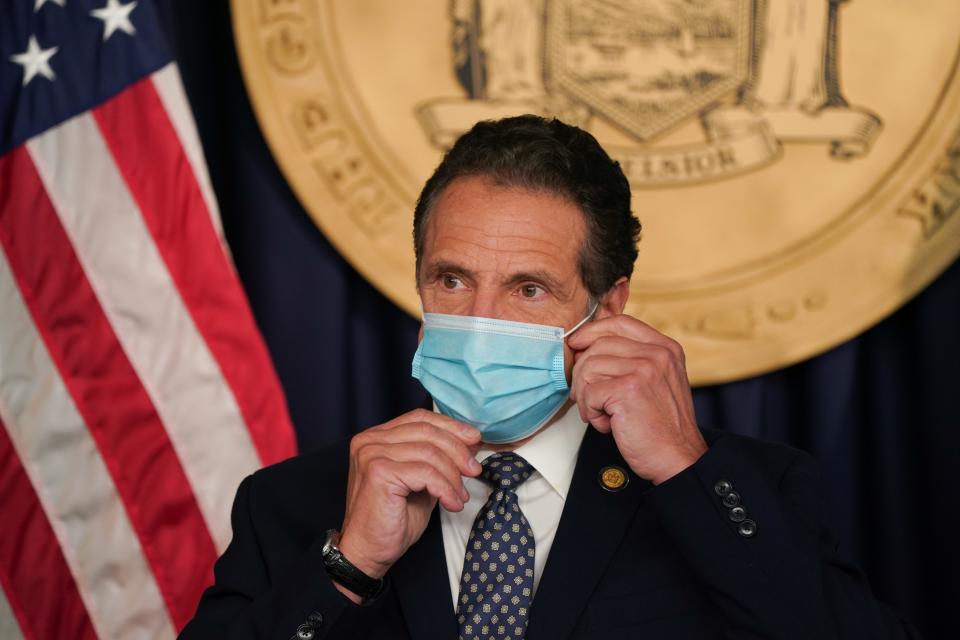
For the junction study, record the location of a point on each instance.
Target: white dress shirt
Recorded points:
(553, 453)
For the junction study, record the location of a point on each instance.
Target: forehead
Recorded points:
(478, 221)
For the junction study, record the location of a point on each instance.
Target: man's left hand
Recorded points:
(631, 380)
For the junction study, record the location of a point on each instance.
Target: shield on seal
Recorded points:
(647, 65)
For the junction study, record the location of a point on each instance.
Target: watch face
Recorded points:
(330, 544)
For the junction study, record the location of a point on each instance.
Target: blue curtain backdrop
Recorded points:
(880, 412)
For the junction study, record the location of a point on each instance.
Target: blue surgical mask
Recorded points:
(504, 378)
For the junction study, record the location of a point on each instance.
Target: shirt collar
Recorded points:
(553, 450)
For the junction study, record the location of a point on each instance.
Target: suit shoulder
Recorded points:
(291, 503)
(326, 466)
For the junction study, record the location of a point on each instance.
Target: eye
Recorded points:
(450, 281)
(531, 290)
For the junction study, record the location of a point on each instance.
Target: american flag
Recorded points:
(135, 390)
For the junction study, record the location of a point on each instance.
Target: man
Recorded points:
(581, 500)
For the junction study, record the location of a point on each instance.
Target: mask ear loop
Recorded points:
(589, 316)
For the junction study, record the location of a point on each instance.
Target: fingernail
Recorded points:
(467, 430)
(475, 466)
(465, 495)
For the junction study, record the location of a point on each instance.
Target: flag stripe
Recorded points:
(9, 625)
(174, 364)
(71, 481)
(170, 90)
(105, 388)
(135, 123)
(32, 567)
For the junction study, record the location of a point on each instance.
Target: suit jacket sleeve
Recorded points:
(251, 600)
(786, 580)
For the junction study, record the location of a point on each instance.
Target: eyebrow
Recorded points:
(535, 276)
(435, 269)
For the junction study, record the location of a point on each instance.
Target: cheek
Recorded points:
(434, 298)
(548, 312)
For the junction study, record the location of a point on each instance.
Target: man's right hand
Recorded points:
(398, 471)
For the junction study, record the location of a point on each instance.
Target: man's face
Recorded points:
(503, 252)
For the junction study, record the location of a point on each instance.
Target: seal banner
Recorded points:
(794, 162)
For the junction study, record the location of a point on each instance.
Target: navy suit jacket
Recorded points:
(643, 562)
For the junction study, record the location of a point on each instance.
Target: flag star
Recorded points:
(116, 17)
(35, 61)
(39, 4)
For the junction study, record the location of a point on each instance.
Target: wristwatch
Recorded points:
(342, 570)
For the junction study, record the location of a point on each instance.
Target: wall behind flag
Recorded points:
(878, 412)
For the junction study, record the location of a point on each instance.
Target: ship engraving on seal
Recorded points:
(755, 73)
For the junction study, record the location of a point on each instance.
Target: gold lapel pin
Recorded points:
(613, 478)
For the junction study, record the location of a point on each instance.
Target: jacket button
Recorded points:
(748, 528)
(723, 487)
(738, 514)
(305, 632)
(315, 618)
(731, 500)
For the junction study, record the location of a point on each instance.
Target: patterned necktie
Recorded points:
(496, 587)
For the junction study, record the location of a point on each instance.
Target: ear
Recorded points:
(614, 301)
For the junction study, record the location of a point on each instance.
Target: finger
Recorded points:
(461, 430)
(655, 372)
(601, 424)
(593, 368)
(660, 356)
(413, 477)
(624, 326)
(462, 454)
(609, 344)
(588, 412)
(612, 325)
(422, 452)
(627, 348)
(594, 403)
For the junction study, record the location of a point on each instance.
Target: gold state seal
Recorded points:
(795, 163)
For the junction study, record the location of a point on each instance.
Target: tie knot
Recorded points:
(506, 470)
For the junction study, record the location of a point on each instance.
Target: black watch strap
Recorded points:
(342, 570)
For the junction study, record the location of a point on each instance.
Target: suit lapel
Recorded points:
(423, 588)
(593, 523)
